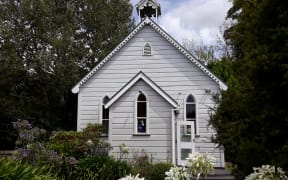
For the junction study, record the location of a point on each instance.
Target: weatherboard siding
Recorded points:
(122, 124)
(167, 67)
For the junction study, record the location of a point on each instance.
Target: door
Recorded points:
(185, 140)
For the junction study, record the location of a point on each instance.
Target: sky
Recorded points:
(197, 20)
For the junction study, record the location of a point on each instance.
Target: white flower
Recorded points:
(177, 173)
(123, 148)
(199, 164)
(267, 172)
(90, 143)
(130, 177)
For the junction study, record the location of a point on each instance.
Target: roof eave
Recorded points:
(75, 89)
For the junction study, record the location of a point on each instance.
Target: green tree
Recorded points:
(252, 118)
(46, 46)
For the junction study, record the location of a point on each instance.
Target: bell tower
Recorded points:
(148, 8)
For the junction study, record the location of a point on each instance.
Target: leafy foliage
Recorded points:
(223, 68)
(31, 150)
(252, 117)
(142, 164)
(196, 166)
(267, 172)
(157, 170)
(175, 172)
(10, 169)
(100, 167)
(45, 47)
(76, 144)
(199, 164)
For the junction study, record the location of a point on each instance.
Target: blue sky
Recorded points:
(192, 19)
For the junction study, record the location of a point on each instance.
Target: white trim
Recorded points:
(166, 36)
(147, 113)
(196, 112)
(145, 78)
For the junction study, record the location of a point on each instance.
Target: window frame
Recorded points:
(195, 120)
(136, 118)
(101, 107)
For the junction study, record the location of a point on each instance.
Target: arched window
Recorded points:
(141, 114)
(191, 111)
(147, 50)
(105, 117)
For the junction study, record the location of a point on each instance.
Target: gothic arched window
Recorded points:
(105, 117)
(191, 111)
(141, 113)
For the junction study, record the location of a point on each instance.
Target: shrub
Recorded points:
(11, 169)
(27, 134)
(77, 144)
(142, 164)
(157, 170)
(199, 164)
(176, 173)
(100, 167)
(267, 172)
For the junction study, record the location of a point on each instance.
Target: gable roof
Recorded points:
(133, 81)
(166, 36)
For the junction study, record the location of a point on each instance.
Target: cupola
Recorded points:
(148, 8)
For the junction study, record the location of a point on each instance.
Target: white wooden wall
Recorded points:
(167, 67)
(159, 143)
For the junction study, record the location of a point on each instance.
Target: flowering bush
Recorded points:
(199, 164)
(267, 172)
(31, 150)
(177, 173)
(130, 177)
(27, 134)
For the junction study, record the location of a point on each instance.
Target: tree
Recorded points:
(203, 52)
(216, 56)
(252, 118)
(45, 47)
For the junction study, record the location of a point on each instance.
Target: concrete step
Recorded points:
(218, 178)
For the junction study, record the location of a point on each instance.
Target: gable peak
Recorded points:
(148, 8)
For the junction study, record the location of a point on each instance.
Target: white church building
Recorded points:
(151, 94)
